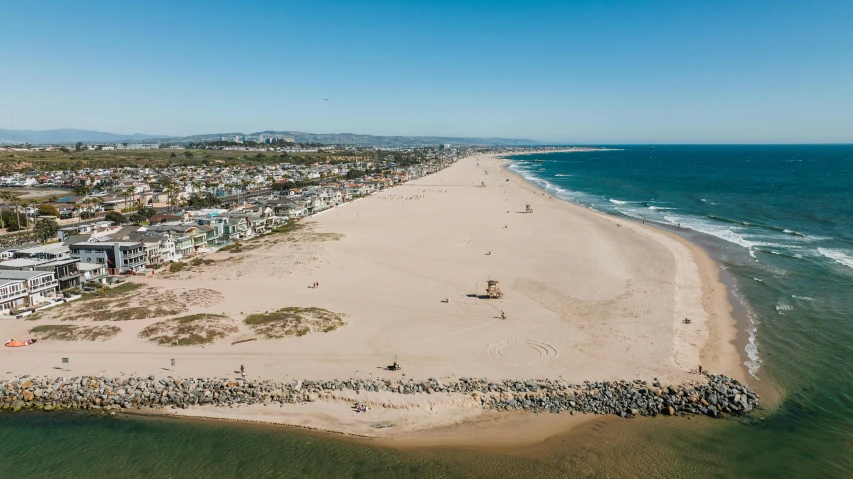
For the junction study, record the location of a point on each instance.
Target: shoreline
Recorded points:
(440, 421)
(716, 301)
(735, 317)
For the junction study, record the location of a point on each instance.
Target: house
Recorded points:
(189, 238)
(40, 286)
(65, 270)
(159, 247)
(44, 252)
(13, 293)
(157, 219)
(93, 228)
(92, 273)
(118, 256)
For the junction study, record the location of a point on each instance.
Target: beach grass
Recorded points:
(68, 332)
(192, 330)
(294, 321)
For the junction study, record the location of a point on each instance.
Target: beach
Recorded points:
(586, 297)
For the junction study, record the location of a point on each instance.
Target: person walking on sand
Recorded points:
(700, 369)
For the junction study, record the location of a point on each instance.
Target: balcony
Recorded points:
(43, 286)
(13, 295)
(67, 275)
(130, 255)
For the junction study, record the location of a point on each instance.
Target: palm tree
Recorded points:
(125, 194)
(132, 190)
(15, 199)
(172, 191)
(245, 184)
(5, 196)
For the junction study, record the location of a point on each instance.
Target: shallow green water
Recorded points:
(53, 445)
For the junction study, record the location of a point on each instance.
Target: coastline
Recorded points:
(715, 355)
(719, 353)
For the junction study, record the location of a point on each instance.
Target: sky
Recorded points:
(584, 72)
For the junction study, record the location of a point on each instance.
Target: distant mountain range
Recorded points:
(72, 136)
(67, 135)
(361, 140)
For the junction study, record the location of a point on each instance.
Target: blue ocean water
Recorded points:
(781, 221)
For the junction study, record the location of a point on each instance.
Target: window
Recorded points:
(100, 260)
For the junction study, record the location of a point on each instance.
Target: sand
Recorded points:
(587, 297)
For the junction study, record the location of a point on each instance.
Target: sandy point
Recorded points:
(586, 296)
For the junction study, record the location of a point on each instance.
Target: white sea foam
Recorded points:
(838, 256)
(803, 298)
(560, 174)
(723, 232)
(751, 348)
(661, 208)
(618, 202)
(782, 307)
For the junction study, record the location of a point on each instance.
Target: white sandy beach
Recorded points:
(587, 297)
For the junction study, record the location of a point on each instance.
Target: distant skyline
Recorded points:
(554, 72)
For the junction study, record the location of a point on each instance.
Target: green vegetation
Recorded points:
(45, 229)
(115, 217)
(234, 247)
(59, 160)
(47, 209)
(177, 267)
(67, 332)
(204, 200)
(294, 321)
(289, 227)
(13, 221)
(190, 330)
(114, 292)
(201, 262)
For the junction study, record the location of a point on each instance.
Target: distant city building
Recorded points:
(141, 146)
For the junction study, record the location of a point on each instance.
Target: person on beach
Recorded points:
(700, 369)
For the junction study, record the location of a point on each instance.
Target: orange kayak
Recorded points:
(17, 344)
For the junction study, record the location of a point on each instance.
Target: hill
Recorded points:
(67, 135)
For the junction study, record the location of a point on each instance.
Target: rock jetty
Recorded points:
(718, 396)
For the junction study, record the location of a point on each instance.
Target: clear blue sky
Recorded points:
(569, 71)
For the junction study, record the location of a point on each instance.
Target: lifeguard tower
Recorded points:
(493, 291)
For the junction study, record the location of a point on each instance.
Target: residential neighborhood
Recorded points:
(136, 220)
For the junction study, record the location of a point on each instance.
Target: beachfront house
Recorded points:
(13, 293)
(118, 256)
(92, 273)
(40, 286)
(64, 269)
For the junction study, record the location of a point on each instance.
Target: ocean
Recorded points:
(779, 219)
